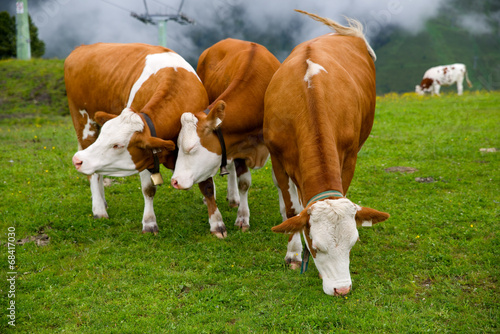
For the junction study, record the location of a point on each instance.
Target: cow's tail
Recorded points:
(355, 28)
(467, 79)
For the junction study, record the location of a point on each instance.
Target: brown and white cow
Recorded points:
(445, 75)
(114, 90)
(319, 110)
(237, 72)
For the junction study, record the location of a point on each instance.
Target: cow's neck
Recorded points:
(242, 131)
(222, 142)
(158, 102)
(248, 146)
(318, 175)
(314, 186)
(167, 125)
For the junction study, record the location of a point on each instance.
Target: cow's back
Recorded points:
(226, 68)
(320, 106)
(100, 76)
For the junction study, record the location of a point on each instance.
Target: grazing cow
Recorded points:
(319, 110)
(126, 101)
(237, 72)
(445, 75)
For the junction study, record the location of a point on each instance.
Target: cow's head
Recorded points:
(425, 86)
(124, 146)
(329, 227)
(200, 150)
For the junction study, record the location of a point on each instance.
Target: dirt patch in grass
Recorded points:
(40, 240)
(489, 150)
(401, 169)
(429, 179)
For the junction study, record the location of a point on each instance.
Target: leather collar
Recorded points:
(149, 122)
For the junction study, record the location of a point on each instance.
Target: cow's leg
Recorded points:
(293, 251)
(86, 133)
(460, 87)
(289, 207)
(99, 204)
(217, 226)
(294, 248)
(148, 191)
(244, 182)
(233, 195)
(436, 89)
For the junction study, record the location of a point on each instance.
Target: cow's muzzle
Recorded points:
(341, 291)
(77, 163)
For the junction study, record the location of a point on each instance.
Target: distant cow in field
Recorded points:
(319, 110)
(237, 72)
(445, 75)
(126, 101)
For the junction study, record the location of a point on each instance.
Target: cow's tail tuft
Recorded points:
(355, 29)
(467, 79)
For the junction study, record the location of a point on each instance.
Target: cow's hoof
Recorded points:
(294, 265)
(220, 232)
(242, 222)
(150, 229)
(243, 227)
(99, 216)
(220, 235)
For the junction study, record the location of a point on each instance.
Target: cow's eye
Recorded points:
(190, 149)
(318, 247)
(117, 146)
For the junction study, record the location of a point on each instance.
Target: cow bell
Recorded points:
(156, 179)
(223, 171)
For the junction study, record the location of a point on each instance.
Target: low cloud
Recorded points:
(65, 24)
(476, 24)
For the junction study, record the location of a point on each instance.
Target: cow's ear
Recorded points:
(216, 115)
(368, 216)
(102, 117)
(294, 224)
(159, 144)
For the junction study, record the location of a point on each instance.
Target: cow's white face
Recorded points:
(329, 227)
(419, 90)
(333, 233)
(194, 162)
(122, 148)
(200, 153)
(108, 154)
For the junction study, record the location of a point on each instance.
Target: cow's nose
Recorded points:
(341, 291)
(174, 183)
(77, 163)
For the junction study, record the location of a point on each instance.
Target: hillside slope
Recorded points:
(403, 58)
(32, 87)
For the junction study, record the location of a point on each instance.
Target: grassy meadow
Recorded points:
(432, 267)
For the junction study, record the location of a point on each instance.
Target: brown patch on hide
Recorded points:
(426, 83)
(309, 241)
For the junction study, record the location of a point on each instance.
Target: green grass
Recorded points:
(432, 267)
(34, 87)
